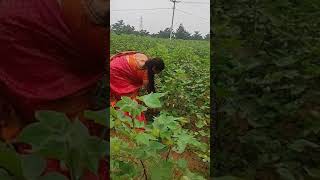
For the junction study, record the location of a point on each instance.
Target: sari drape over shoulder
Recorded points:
(125, 77)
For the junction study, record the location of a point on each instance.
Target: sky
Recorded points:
(193, 14)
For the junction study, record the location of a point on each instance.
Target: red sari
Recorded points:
(126, 78)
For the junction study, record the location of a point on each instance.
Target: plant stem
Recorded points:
(144, 170)
(70, 164)
(168, 153)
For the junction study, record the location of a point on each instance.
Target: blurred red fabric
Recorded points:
(40, 57)
(43, 60)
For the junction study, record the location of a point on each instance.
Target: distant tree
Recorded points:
(163, 34)
(121, 28)
(154, 35)
(207, 37)
(118, 25)
(196, 36)
(182, 33)
(143, 33)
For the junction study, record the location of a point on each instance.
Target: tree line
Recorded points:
(180, 33)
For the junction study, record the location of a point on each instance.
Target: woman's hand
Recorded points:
(145, 84)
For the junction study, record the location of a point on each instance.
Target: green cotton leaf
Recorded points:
(3, 145)
(53, 120)
(182, 163)
(152, 100)
(254, 123)
(112, 123)
(308, 131)
(155, 146)
(161, 170)
(200, 124)
(76, 160)
(53, 176)
(126, 169)
(165, 122)
(34, 134)
(86, 150)
(33, 166)
(181, 146)
(123, 118)
(291, 74)
(184, 139)
(92, 163)
(4, 175)
(285, 61)
(314, 127)
(3, 172)
(139, 124)
(11, 161)
(53, 148)
(297, 90)
(165, 134)
(273, 77)
(95, 150)
(285, 174)
(99, 117)
(115, 144)
(203, 133)
(126, 104)
(113, 112)
(78, 134)
(194, 176)
(301, 144)
(144, 138)
(314, 172)
(139, 153)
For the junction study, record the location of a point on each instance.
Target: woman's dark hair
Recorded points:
(158, 65)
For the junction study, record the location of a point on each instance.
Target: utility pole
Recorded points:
(141, 23)
(173, 9)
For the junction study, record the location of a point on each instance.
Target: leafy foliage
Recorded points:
(54, 136)
(147, 153)
(267, 78)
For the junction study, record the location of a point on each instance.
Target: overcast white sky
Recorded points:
(193, 14)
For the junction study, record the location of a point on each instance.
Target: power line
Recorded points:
(173, 12)
(141, 23)
(207, 20)
(194, 2)
(139, 9)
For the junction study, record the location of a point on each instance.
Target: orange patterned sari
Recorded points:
(126, 78)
